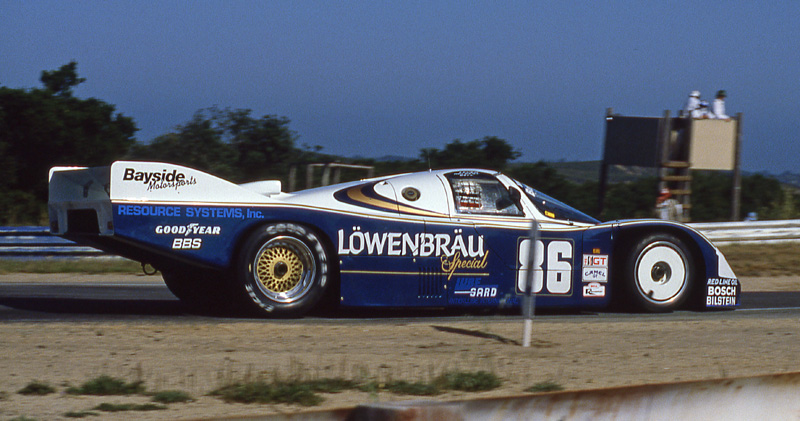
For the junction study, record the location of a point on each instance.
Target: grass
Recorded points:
(293, 392)
(91, 266)
(80, 414)
(762, 259)
(107, 385)
(121, 407)
(298, 392)
(479, 381)
(171, 396)
(402, 387)
(547, 386)
(305, 393)
(37, 388)
(328, 385)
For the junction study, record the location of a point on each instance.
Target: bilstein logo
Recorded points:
(455, 251)
(159, 180)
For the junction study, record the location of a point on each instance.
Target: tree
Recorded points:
(542, 177)
(42, 128)
(197, 144)
(764, 196)
(497, 152)
(547, 180)
(490, 152)
(61, 81)
(229, 143)
(264, 145)
(635, 199)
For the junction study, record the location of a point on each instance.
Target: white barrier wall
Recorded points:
(751, 232)
(773, 397)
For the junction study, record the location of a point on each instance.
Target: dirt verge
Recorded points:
(199, 356)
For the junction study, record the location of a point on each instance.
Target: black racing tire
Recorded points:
(283, 269)
(659, 274)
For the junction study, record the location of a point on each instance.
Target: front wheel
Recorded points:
(660, 273)
(283, 269)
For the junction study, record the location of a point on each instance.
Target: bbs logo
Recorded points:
(187, 243)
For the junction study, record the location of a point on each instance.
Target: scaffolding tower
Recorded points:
(676, 146)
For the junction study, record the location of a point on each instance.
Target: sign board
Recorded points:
(633, 141)
(713, 145)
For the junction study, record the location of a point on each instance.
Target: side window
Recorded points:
(478, 193)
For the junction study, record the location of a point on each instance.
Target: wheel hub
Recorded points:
(284, 269)
(661, 272)
(279, 269)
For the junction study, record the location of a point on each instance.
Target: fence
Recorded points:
(36, 242)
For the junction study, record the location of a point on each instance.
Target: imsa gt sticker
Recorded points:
(595, 268)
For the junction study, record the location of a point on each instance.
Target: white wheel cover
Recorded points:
(661, 273)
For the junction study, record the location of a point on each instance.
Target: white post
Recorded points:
(529, 300)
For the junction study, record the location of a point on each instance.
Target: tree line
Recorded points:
(49, 126)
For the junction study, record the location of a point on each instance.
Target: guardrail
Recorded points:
(37, 242)
(750, 232)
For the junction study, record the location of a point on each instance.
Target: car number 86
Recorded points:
(553, 258)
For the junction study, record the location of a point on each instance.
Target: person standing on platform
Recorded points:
(718, 106)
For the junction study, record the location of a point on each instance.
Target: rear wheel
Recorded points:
(660, 273)
(283, 269)
(200, 291)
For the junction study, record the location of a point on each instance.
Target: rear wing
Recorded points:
(80, 198)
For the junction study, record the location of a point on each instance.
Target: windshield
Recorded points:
(479, 193)
(552, 208)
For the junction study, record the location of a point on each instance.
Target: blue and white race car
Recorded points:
(446, 238)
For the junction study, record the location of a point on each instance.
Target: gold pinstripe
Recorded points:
(387, 272)
(356, 194)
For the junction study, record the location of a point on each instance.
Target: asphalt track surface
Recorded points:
(64, 302)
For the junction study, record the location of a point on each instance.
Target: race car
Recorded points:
(443, 238)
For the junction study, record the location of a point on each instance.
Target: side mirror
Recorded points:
(516, 196)
(513, 199)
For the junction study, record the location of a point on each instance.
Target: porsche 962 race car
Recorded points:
(446, 238)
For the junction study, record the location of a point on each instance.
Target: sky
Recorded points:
(376, 78)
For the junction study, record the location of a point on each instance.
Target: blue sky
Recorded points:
(378, 78)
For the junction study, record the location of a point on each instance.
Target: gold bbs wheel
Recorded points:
(284, 269)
